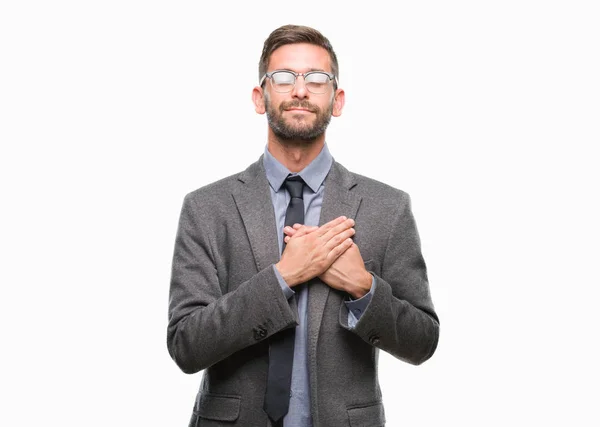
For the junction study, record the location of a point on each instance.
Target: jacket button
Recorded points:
(374, 339)
(260, 333)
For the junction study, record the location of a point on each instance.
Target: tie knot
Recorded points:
(295, 185)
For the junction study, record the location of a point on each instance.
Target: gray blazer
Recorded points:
(225, 300)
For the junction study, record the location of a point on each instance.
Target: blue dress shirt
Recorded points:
(314, 176)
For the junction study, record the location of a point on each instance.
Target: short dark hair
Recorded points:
(290, 34)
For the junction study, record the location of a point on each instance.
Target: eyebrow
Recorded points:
(309, 70)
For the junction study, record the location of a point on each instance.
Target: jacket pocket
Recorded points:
(367, 416)
(220, 407)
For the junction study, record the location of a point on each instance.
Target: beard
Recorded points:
(297, 128)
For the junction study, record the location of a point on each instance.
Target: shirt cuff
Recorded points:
(357, 307)
(287, 291)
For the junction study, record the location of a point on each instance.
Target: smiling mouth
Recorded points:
(303, 110)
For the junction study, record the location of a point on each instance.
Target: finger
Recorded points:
(337, 251)
(286, 239)
(337, 229)
(303, 230)
(290, 231)
(339, 238)
(331, 224)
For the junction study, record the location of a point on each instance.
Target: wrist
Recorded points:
(362, 286)
(287, 277)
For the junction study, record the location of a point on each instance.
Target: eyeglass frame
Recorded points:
(269, 74)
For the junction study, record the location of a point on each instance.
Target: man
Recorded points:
(290, 276)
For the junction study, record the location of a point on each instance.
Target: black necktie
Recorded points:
(281, 346)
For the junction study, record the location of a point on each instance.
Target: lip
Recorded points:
(302, 110)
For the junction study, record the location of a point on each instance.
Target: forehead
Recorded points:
(300, 57)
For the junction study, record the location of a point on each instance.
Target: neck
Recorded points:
(295, 155)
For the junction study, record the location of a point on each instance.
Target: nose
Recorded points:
(299, 90)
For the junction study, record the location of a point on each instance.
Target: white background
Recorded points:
(486, 113)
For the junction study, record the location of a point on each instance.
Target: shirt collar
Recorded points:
(313, 175)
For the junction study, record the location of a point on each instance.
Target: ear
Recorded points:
(258, 98)
(338, 102)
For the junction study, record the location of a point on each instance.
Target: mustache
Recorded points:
(299, 104)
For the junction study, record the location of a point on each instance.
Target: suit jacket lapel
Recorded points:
(338, 200)
(253, 200)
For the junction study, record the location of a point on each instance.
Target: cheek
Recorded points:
(273, 98)
(329, 106)
(272, 104)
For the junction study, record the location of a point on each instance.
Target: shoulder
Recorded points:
(215, 189)
(254, 172)
(369, 187)
(220, 192)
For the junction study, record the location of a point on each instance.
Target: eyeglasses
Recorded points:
(283, 81)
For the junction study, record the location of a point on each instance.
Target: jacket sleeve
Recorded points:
(207, 323)
(400, 318)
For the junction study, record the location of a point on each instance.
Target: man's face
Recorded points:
(299, 114)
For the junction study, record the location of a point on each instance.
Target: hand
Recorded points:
(312, 250)
(347, 273)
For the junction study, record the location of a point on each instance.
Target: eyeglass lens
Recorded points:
(315, 82)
